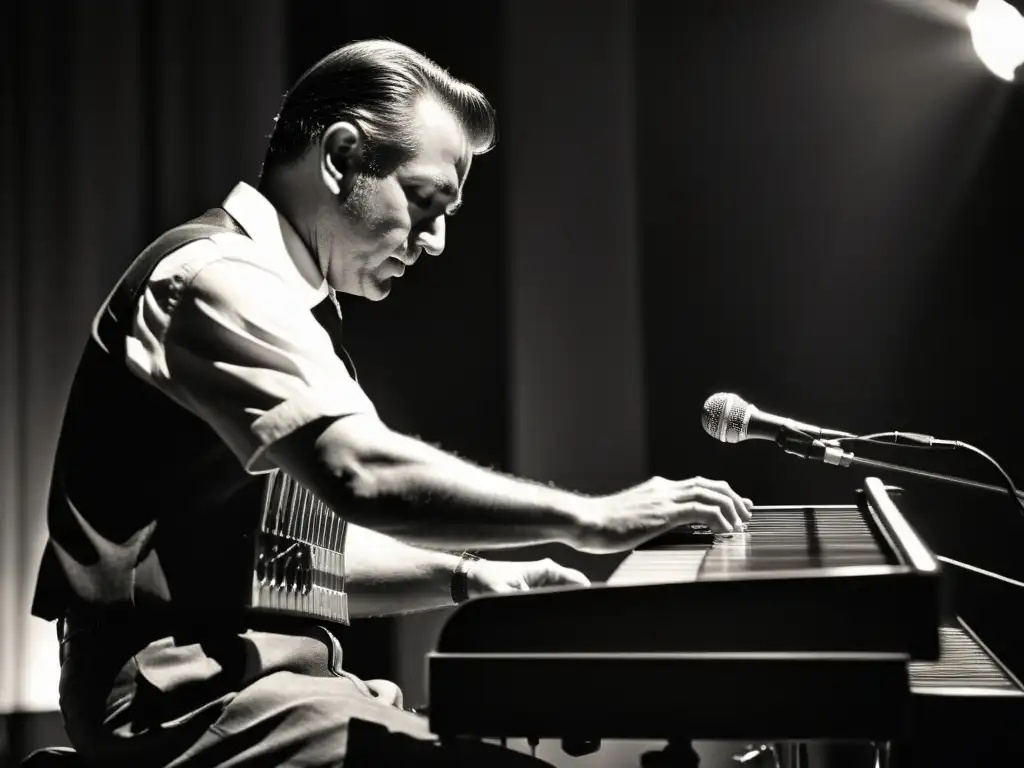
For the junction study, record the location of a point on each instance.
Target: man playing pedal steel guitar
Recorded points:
(216, 438)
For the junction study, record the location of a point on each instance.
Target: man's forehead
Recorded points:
(443, 147)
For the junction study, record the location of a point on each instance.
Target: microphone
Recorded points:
(731, 419)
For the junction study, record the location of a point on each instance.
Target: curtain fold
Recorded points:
(120, 122)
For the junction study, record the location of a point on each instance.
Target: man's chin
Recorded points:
(376, 291)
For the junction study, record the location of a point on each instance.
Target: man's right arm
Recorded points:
(405, 488)
(235, 346)
(402, 487)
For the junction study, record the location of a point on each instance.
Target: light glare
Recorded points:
(997, 34)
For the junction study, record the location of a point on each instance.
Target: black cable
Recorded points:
(927, 442)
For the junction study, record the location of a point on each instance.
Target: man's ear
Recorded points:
(341, 151)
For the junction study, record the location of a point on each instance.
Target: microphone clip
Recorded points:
(799, 444)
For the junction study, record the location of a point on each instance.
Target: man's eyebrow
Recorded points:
(445, 186)
(442, 184)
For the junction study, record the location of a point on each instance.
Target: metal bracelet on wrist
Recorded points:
(460, 582)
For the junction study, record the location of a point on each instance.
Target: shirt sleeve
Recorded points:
(230, 341)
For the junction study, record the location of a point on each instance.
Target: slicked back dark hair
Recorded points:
(375, 83)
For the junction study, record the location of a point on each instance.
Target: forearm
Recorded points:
(404, 488)
(434, 499)
(385, 576)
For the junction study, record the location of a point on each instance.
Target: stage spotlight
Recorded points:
(997, 33)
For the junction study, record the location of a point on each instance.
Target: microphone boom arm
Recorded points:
(806, 448)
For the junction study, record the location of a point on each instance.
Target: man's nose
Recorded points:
(431, 238)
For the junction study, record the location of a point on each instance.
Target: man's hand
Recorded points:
(623, 521)
(487, 577)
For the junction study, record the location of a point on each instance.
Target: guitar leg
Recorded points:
(793, 754)
(883, 754)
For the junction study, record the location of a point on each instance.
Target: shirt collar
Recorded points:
(267, 227)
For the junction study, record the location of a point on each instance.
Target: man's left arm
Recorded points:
(386, 577)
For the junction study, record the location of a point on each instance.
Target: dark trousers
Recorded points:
(249, 699)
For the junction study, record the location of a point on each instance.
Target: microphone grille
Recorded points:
(724, 416)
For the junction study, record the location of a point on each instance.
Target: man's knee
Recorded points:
(324, 704)
(312, 720)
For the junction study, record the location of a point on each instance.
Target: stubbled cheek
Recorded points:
(390, 232)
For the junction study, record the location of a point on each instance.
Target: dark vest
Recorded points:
(148, 508)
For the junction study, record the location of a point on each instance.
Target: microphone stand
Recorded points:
(807, 448)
